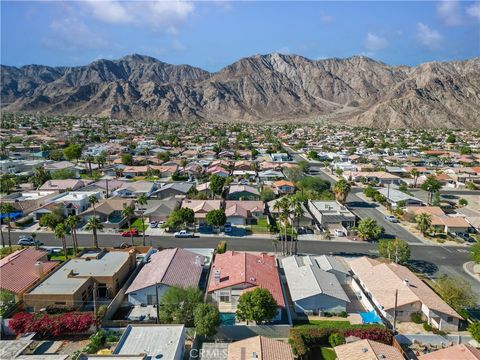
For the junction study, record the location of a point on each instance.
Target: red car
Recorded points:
(128, 233)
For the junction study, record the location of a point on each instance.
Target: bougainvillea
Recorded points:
(375, 334)
(51, 326)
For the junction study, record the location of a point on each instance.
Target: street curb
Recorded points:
(465, 268)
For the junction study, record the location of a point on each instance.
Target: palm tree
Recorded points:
(414, 173)
(60, 233)
(142, 200)
(72, 222)
(368, 229)
(297, 212)
(92, 200)
(432, 185)
(341, 189)
(128, 213)
(89, 159)
(424, 222)
(7, 209)
(275, 244)
(285, 218)
(94, 224)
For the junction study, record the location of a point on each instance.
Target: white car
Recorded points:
(339, 233)
(183, 234)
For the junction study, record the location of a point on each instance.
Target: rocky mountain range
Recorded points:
(264, 88)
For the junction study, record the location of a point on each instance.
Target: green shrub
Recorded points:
(336, 339)
(416, 318)
(475, 330)
(221, 247)
(343, 314)
(427, 326)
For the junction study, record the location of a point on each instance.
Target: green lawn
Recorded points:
(137, 224)
(261, 227)
(327, 354)
(61, 257)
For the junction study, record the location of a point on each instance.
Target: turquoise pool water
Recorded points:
(227, 318)
(370, 317)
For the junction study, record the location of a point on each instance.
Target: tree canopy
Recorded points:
(257, 305)
(178, 304)
(207, 319)
(395, 250)
(216, 217)
(368, 229)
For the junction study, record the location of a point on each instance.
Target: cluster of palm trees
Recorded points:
(290, 210)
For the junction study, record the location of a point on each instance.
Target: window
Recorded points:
(224, 296)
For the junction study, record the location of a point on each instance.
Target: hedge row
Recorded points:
(302, 338)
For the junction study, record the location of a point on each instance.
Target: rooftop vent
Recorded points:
(364, 350)
(406, 282)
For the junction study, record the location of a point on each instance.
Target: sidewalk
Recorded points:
(472, 269)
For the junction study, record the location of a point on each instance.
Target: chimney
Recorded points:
(406, 282)
(39, 269)
(216, 277)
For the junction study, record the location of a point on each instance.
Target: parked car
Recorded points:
(183, 234)
(154, 224)
(228, 227)
(391, 218)
(465, 237)
(25, 240)
(128, 233)
(304, 230)
(339, 233)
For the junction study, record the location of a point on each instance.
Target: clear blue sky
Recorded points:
(214, 34)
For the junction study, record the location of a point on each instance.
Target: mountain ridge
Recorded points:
(272, 87)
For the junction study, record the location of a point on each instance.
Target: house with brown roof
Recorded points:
(456, 352)
(380, 282)
(244, 212)
(367, 350)
(62, 185)
(243, 192)
(23, 269)
(259, 347)
(162, 270)
(283, 187)
(109, 211)
(201, 208)
(234, 273)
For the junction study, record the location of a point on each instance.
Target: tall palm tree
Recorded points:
(94, 224)
(424, 222)
(60, 233)
(285, 216)
(72, 222)
(297, 213)
(277, 207)
(89, 159)
(128, 212)
(414, 173)
(432, 185)
(92, 200)
(341, 189)
(142, 200)
(7, 209)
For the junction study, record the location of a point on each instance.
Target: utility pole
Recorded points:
(158, 303)
(395, 313)
(95, 304)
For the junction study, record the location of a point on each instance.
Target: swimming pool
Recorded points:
(227, 318)
(370, 317)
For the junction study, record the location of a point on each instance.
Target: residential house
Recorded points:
(106, 186)
(442, 222)
(280, 157)
(166, 342)
(53, 167)
(398, 198)
(61, 186)
(259, 347)
(244, 212)
(379, 177)
(134, 189)
(367, 350)
(172, 190)
(164, 269)
(381, 281)
(336, 266)
(305, 220)
(282, 187)
(109, 211)
(233, 273)
(166, 170)
(243, 192)
(313, 290)
(455, 352)
(71, 285)
(158, 210)
(472, 216)
(23, 269)
(331, 215)
(217, 170)
(27, 201)
(71, 203)
(201, 208)
(270, 175)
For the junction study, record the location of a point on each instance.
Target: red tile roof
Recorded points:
(255, 270)
(18, 269)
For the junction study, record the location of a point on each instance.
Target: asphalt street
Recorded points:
(433, 260)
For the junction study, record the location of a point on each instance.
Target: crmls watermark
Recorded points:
(209, 353)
